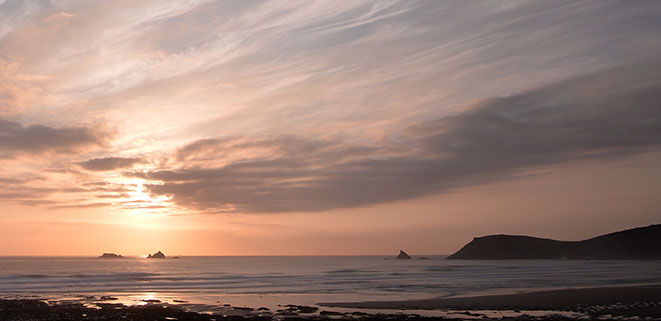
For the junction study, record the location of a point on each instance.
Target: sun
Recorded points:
(139, 198)
(130, 195)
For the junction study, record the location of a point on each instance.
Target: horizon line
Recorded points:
(212, 255)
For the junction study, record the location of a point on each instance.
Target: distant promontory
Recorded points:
(643, 243)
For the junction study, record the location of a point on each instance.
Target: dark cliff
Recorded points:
(643, 243)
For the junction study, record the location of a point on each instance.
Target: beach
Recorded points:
(605, 303)
(634, 301)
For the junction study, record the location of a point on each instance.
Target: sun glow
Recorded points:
(132, 196)
(140, 199)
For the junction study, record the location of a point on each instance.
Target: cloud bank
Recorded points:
(15, 137)
(109, 163)
(595, 117)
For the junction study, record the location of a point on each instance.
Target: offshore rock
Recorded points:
(110, 256)
(402, 256)
(157, 255)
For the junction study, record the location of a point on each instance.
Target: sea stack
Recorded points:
(402, 256)
(110, 256)
(157, 255)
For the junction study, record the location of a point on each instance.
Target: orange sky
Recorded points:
(312, 127)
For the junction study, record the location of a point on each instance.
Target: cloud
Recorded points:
(55, 194)
(368, 69)
(361, 63)
(33, 139)
(19, 192)
(109, 163)
(596, 117)
(238, 149)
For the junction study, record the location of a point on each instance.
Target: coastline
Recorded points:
(604, 303)
(626, 301)
(37, 310)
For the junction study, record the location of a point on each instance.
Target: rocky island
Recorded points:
(157, 255)
(403, 256)
(110, 256)
(641, 243)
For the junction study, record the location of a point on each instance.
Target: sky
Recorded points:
(324, 127)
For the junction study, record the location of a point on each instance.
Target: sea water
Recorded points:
(272, 280)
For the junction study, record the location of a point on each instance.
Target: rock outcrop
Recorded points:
(157, 255)
(402, 256)
(110, 256)
(643, 243)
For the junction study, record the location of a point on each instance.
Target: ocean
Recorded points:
(269, 281)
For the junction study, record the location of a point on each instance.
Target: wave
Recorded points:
(372, 277)
(345, 271)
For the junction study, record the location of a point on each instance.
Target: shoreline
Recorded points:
(38, 310)
(604, 303)
(626, 301)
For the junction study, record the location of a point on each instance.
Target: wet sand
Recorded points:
(37, 310)
(632, 301)
(608, 303)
